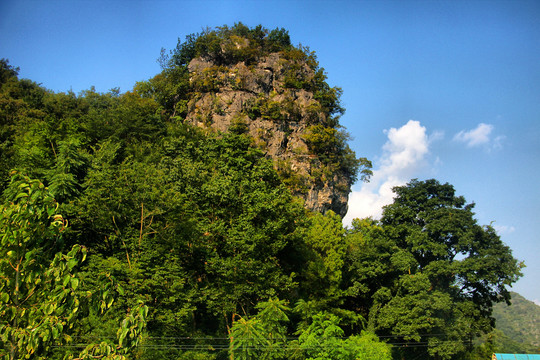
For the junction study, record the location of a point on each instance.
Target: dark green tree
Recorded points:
(7, 71)
(245, 221)
(436, 272)
(325, 249)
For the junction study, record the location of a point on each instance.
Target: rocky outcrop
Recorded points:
(270, 101)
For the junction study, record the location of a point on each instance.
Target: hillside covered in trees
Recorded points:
(198, 216)
(518, 329)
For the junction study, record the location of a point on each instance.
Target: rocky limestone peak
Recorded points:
(277, 100)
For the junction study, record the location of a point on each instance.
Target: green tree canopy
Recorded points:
(438, 272)
(227, 45)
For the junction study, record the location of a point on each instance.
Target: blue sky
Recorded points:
(433, 89)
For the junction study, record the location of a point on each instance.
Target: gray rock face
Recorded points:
(256, 99)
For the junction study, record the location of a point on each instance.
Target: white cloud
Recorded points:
(404, 154)
(497, 142)
(369, 201)
(536, 301)
(476, 137)
(405, 147)
(504, 229)
(436, 135)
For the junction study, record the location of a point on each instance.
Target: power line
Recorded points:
(267, 338)
(209, 346)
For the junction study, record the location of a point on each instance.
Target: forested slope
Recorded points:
(519, 324)
(146, 225)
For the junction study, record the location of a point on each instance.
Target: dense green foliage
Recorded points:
(201, 228)
(225, 45)
(264, 337)
(40, 297)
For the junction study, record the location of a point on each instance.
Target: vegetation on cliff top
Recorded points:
(176, 88)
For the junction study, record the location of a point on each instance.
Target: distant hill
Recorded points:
(520, 323)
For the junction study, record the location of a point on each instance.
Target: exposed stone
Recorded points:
(230, 95)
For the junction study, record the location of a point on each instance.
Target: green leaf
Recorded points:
(21, 195)
(74, 283)
(72, 263)
(122, 336)
(66, 280)
(110, 301)
(51, 211)
(49, 309)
